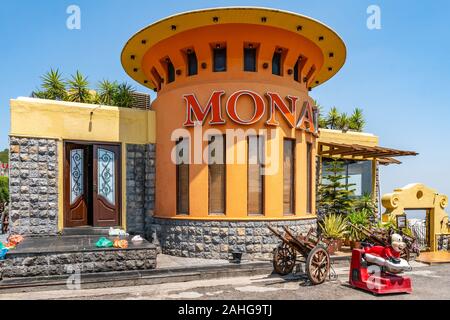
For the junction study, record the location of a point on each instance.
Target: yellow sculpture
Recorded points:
(420, 197)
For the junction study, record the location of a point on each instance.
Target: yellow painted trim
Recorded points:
(60, 185)
(162, 29)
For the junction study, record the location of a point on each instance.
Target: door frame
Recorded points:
(66, 179)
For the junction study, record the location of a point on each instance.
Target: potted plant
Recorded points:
(334, 229)
(357, 220)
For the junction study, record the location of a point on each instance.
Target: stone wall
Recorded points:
(33, 186)
(218, 239)
(58, 263)
(140, 178)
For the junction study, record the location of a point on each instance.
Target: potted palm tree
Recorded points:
(334, 229)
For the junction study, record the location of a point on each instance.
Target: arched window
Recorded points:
(277, 62)
(250, 58)
(192, 63)
(170, 71)
(220, 58)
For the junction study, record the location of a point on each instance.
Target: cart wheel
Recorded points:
(284, 258)
(318, 265)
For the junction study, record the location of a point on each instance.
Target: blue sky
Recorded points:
(399, 75)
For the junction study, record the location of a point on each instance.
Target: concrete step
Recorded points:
(86, 231)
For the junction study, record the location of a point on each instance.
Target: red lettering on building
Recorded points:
(277, 103)
(259, 105)
(194, 109)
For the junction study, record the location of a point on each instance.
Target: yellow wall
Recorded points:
(73, 121)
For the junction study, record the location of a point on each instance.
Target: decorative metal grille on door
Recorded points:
(106, 178)
(76, 174)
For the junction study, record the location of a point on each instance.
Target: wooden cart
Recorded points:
(310, 247)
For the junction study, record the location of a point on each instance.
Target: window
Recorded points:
(192, 63)
(170, 71)
(276, 62)
(309, 178)
(158, 78)
(250, 59)
(298, 68)
(255, 186)
(357, 174)
(220, 59)
(289, 176)
(217, 175)
(182, 173)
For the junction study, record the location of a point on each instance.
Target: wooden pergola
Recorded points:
(359, 152)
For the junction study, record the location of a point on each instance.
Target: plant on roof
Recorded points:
(53, 86)
(124, 96)
(356, 121)
(336, 120)
(79, 89)
(107, 92)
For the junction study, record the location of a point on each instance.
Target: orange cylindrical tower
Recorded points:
(241, 75)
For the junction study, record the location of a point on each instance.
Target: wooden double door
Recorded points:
(92, 194)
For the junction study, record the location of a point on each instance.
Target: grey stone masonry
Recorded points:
(218, 239)
(57, 263)
(140, 185)
(33, 186)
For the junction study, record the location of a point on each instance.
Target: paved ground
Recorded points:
(430, 282)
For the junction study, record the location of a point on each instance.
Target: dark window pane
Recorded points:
(296, 69)
(309, 178)
(220, 60)
(192, 64)
(217, 176)
(182, 176)
(255, 178)
(289, 176)
(250, 59)
(276, 63)
(170, 72)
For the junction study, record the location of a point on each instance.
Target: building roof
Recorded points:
(329, 42)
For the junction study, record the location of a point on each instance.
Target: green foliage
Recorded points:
(4, 156)
(107, 92)
(76, 89)
(124, 96)
(359, 219)
(341, 121)
(79, 89)
(334, 194)
(4, 190)
(334, 226)
(53, 86)
(367, 203)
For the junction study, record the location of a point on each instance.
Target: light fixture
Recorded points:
(144, 41)
(215, 19)
(133, 57)
(265, 65)
(330, 69)
(135, 69)
(250, 46)
(264, 19)
(178, 72)
(173, 27)
(217, 46)
(189, 51)
(299, 28)
(321, 38)
(290, 71)
(280, 50)
(331, 55)
(204, 65)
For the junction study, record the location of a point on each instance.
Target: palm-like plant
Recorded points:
(53, 85)
(107, 91)
(356, 120)
(124, 96)
(334, 226)
(343, 122)
(79, 88)
(333, 118)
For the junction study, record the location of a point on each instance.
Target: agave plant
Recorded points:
(124, 96)
(334, 226)
(79, 89)
(333, 118)
(107, 91)
(53, 85)
(356, 121)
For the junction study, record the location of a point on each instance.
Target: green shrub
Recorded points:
(4, 190)
(334, 226)
(360, 218)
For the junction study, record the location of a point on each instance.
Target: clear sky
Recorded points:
(399, 75)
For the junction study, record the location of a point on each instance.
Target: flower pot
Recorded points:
(355, 245)
(332, 246)
(339, 244)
